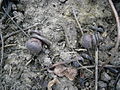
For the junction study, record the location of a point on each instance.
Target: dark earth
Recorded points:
(73, 32)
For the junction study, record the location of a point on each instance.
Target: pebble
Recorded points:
(102, 84)
(47, 61)
(105, 77)
(7, 67)
(111, 83)
(75, 64)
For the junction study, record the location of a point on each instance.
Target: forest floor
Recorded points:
(83, 54)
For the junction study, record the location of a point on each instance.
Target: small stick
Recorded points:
(96, 69)
(85, 68)
(118, 23)
(15, 22)
(16, 32)
(92, 66)
(9, 45)
(77, 21)
(2, 49)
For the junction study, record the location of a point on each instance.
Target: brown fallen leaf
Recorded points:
(59, 70)
(70, 73)
(52, 82)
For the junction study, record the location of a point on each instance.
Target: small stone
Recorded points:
(111, 83)
(75, 64)
(20, 7)
(105, 77)
(14, 7)
(47, 61)
(7, 67)
(102, 84)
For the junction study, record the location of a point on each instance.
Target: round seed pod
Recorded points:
(34, 45)
(89, 41)
(86, 41)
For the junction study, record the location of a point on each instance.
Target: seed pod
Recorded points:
(34, 44)
(86, 41)
(90, 41)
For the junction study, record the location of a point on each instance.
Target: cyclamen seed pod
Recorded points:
(34, 45)
(36, 42)
(90, 41)
(86, 41)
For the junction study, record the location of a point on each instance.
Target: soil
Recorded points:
(56, 20)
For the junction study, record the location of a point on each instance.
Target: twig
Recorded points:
(2, 49)
(92, 66)
(9, 45)
(15, 22)
(19, 31)
(80, 50)
(85, 68)
(96, 69)
(77, 21)
(118, 23)
(16, 32)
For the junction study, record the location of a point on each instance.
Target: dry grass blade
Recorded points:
(118, 23)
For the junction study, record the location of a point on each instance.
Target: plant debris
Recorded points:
(69, 72)
(71, 45)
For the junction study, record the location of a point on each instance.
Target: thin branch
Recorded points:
(2, 49)
(16, 32)
(92, 66)
(85, 68)
(77, 21)
(118, 23)
(15, 22)
(96, 69)
(9, 45)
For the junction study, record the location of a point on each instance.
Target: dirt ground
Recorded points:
(69, 63)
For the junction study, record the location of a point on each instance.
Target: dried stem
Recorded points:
(16, 32)
(2, 49)
(96, 69)
(15, 22)
(77, 21)
(118, 23)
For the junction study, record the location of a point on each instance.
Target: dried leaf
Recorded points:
(70, 73)
(52, 82)
(59, 70)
